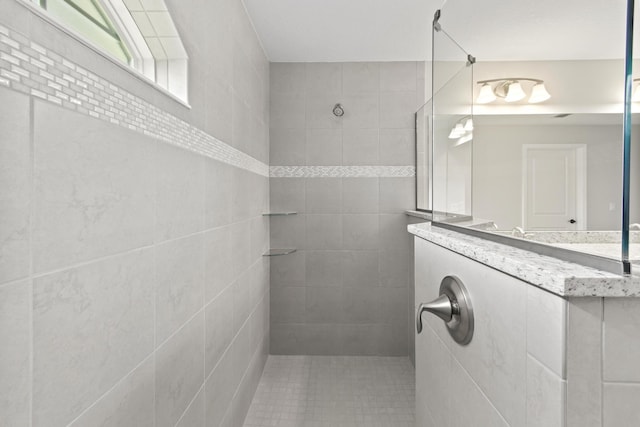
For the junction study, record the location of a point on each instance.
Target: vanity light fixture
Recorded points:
(510, 89)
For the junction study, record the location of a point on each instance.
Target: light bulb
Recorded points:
(486, 94)
(539, 93)
(514, 92)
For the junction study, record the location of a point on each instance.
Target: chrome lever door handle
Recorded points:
(454, 307)
(442, 307)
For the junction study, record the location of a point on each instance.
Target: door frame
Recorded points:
(581, 180)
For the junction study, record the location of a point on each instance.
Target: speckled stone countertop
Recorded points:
(554, 275)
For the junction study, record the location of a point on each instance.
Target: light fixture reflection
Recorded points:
(511, 90)
(486, 94)
(514, 92)
(462, 131)
(539, 93)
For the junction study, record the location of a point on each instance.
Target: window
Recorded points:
(138, 33)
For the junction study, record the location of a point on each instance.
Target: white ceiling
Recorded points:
(344, 30)
(396, 30)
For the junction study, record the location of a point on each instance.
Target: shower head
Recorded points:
(338, 111)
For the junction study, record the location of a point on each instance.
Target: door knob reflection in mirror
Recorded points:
(454, 307)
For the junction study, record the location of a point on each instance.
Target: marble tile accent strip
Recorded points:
(552, 274)
(342, 171)
(29, 68)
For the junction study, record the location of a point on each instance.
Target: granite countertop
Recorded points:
(554, 275)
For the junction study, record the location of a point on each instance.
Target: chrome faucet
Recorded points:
(519, 232)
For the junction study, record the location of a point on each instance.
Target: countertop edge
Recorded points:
(559, 277)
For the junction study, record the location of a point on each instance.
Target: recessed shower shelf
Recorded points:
(278, 252)
(279, 213)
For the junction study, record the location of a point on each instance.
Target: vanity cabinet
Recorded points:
(535, 358)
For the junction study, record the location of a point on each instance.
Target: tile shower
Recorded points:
(350, 179)
(133, 289)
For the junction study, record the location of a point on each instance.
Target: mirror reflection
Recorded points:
(528, 141)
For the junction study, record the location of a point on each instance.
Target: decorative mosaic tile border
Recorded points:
(31, 69)
(342, 171)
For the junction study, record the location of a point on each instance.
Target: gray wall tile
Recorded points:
(218, 328)
(360, 147)
(324, 232)
(15, 193)
(360, 232)
(15, 360)
(324, 78)
(319, 112)
(128, 404)
(287, 195)
(398, 76)
(180, 288)
(621, 344)
(397, 110)
(360, 269)
(546, 395)
(584, 361)
(397, 147)
(323, 268)
(621, 404)
(360, 111)
(112, 306)
(217, 197)
(324, 147)
(179, 193)
(287, 77)
(360, 77)
(397, 195)
(194, 416)
(179, 371)
(218, 262)
(82, 209)
(287, 110)
(287, 147)
(323, 195)
(360, 195)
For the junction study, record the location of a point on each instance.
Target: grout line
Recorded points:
(129, 251)
(117, 383)
(32, 186)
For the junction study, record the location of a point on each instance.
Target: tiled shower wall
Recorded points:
(132, 287)
(350, 179)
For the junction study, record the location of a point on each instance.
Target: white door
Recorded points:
(554, 183)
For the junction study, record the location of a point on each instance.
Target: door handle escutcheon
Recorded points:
(454, 307)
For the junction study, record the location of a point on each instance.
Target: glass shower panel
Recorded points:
(452, 126)
(423, 157)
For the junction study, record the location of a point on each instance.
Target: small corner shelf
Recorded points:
(279, 213)
(278, 252)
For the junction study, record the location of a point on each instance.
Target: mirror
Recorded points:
(546, 169)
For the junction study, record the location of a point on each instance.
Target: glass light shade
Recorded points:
(468, 125)
(457, 131)
(486, 94)
(539, 93)
(514, 92)
(636, 94)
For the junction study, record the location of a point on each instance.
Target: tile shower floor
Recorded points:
(334, 391)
